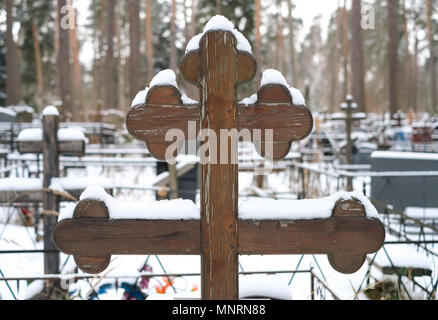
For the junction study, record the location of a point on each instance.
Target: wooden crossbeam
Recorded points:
(348, 230)
(217, 68)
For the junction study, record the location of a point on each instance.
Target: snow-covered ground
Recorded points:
(16, 237)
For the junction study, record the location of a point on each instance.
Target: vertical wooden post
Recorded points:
(50, 201)
(219, 187)
(348, 109)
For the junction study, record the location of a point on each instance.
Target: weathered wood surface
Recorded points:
(162, 112)
(219, 230)
(217, 68)
(50, 200)
(69, 148)
(175, 237)
(26, 196)
(92, 234)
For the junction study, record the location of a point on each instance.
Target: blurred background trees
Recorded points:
(119, 45)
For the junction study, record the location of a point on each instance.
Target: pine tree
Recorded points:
(2, 60)
(12, 59)
(357, 59)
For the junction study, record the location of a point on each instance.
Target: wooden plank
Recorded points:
(219, 186)
(88, 236)
(50, 201)
(69, 148)
(94, 237)
(275, 110)
(335, 235)
(163, 111)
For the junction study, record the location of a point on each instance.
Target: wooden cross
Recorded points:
(51, 148)
(219, 237)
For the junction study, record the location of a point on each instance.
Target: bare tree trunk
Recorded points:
(335, 63)
(110, 84)
(101, 55)
(63, 62)
(76, 88)
(393, 55)
(345, 50)
(12, 60)
(415, 69)
(134, 43)
(173, 53)
(258, 41)
(357, 59)
(37, 54)
(432, 64)
(294, 59)
(218, 7)
(149, 41)
(120, 70)
(279, 39)
(407, 77)
(193, 19)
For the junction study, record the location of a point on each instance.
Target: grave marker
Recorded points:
(217, 67)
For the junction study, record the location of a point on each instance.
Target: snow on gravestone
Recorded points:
(217, 63)
(71, 141)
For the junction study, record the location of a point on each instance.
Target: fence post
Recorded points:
(312, 285)
(50, 201)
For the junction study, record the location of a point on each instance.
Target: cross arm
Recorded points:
(162, 111)
(92, 237)
(275, 109)
(191, 62)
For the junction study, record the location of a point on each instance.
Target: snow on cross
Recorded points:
(217, 66)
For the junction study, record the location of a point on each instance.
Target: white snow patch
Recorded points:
(20, 184)
(163, 78)
(7, 111)
(269, 286)
(219, 22)
(50, 111)
(140, 98)
(64, 134)
(151, 210)
(404, 155)
(272, 76)
(250, 100)
(422, 213)
(308, 209)
(67, 212)
(33, 289)
(403, 256)
(60, 184)
(186, 100)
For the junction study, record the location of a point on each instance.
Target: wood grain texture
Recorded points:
(247, 67)
(98, 211)
(50, 200)
(349, 261)
(101, 237)
(69, 148)
(355, 235)
(219, 188)
(189, 67)
(163, 111)
(275, 110)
